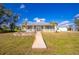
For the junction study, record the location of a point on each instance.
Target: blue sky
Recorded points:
(50, 12)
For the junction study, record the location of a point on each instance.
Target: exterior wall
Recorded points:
(39, 28)
(62, 29)
(44, 28)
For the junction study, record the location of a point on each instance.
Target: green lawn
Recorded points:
(10, 44)
(62, 43)
(57, 43)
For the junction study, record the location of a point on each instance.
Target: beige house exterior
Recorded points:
(44, 26)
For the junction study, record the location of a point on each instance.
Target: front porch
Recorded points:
(40, 28)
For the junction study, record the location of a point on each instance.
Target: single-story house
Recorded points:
(39, 26)
(44, 26)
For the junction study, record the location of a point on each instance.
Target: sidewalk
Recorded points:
(39, 42)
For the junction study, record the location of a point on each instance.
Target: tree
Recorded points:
(12, 27)
(1, 10)
(12, 24)
(7, 16)
(54, 25)
(5, 28)
(70, 28)
(24, 25)
(76, 21)
(77, 24)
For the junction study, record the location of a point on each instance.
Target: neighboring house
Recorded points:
(65, 26)
(62, 29)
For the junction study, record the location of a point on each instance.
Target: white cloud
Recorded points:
(39, 19)
(25, 19)
(64, 23)
(43, 19)
(22, 6)
(36, 18)
(29, 21)
(77, 15)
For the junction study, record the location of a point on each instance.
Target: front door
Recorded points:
(38, 28)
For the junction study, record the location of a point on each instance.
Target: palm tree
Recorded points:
(54, 25)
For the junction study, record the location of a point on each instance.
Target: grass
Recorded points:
(62, 43)
(15, 45)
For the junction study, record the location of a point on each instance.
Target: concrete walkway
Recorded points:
(39, 42)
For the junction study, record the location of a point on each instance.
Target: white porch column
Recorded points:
(55, 28)
(32, 28)
(44, 28)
